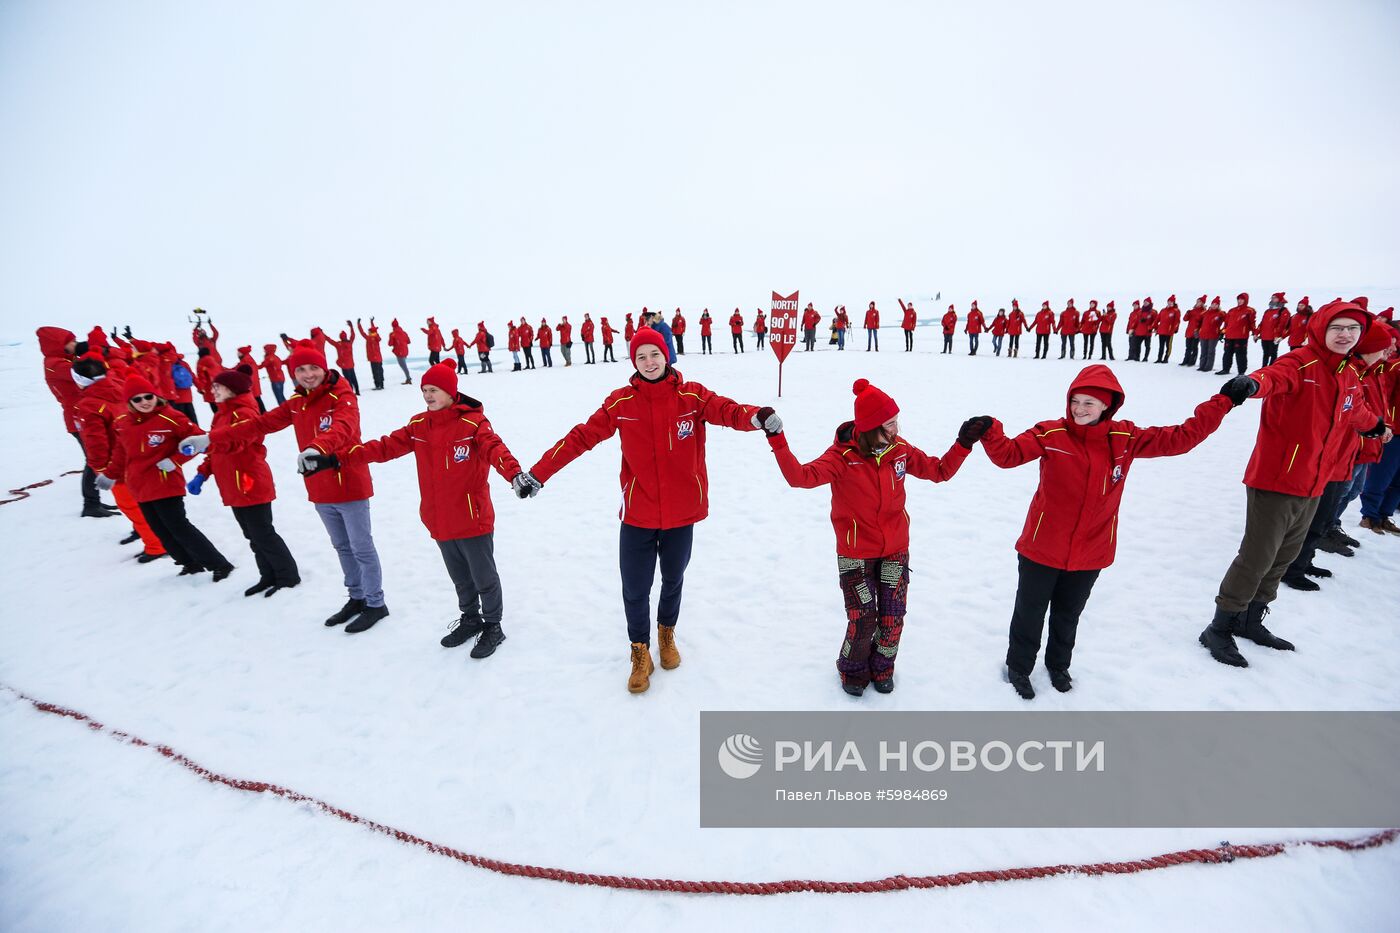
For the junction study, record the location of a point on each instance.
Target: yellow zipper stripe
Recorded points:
(1290, 459)
(1037, 526)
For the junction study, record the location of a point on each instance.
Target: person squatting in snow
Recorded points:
(866, 467)
(454, 446)
(660, 418)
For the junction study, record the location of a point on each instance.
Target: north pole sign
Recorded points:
(782, 330)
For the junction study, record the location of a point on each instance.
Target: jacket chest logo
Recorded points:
(155, 439)
(685, 427)
(899, 467)
(461, 452)
(324, 424)
(1346, 404)
(1117, 473)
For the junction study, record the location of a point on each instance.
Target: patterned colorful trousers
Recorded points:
(875, 592)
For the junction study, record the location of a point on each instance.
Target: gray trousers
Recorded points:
(403, 364)
(567, 350)
(348, 525)
(471, 563)
(1275, 526)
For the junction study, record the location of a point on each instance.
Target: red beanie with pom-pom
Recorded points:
(444, 376)
(873, 407)
(137, 384)
(306, 354)
(647, 336)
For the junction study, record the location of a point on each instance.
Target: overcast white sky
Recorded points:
(316, 160)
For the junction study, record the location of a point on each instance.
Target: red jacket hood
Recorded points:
(53, 339)
(1317, 323)
(1097, 377)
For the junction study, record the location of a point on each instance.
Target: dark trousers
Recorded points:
(1086, 349)
(1236, 351)
(1064, 592)
(947, 343)
(185, 543)
(1106, 347)
(350, 377)
(1164, 347)
(1042, 346)
(680, 343)
(996, 344)
(1270, 348)
(281, 396)
(275, 562)
(706, 344)
(809, 339)
(376, 372)
(1208, 353)
(262, 409)
(545, 357)
(188, 409)
(738, 342)
(1317, 525)
(1275, 525)
(462, 363)
(872, 336)
(434, 357)
(876, 592)
(908, 341)
(1134, 346)
(1193, 347)
(471, 563)
(758, 339)
(639, 550)
(529, 356)
(588, 352)
(1014, 347)
(608, 356)
(1067, 341)
(1380, 493)
(485, 360)
(89, 484)
(972, 344)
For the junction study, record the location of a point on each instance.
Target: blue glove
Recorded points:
(196, 484)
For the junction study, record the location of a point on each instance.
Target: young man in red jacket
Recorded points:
(1016, 325)
(609, 332)
(1298, 324)
(976, 323)
(276, 371)
(345, 356)
(911, 321)
(585, 333)
(810, 319)
(398, 345)
(1212, 326)
(459, 350)
(1088, 328)
(1068, 328)
(866, 467)
(1106, 325)
(1192, 320)
(661, 420)
(245, 358)
(482, 343)
(1044, 325)
(58, 346)
(998, 329)
(736, 331)
(950, 326)
(373, 352)
(1146, 324)
(526, 335)
(245, 483)
(325, 416)
(1273, 327)
(546, 338)
(436, 343)
(455, 449)
(1071, 529)
(1168, 323)
(760, 329)
(564, 333)
(1239, 325)
(1314, 407)
(872, 328)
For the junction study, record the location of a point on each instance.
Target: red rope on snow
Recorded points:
(23, 491)
(1225, 852)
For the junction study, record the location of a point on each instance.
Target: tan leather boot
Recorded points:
(670, 656)
(642, 668)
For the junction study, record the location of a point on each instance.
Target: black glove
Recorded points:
(310, 462)
(1377, 431)
(127, 333)
(972, 430)
(1238, 389)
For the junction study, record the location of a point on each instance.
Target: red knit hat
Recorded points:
(1377, 337)
(1109, 305)
(873, 407)
(1363, 301)
(647, 336)
(306, 354)
(443, 375)
(237, 380)
(1103, 395)
(137, 384)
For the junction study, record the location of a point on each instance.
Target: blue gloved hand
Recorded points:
(196, 484)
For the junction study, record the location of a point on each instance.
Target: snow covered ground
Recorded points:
(540, 755)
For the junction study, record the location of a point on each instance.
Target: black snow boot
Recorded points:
(222, 573)
(1061, 680)
(189, 569)
(145, 557)
(258, 587)
(1219, 638)
(490, 638)
(98, 510)
(1343, 537)
(854, 690)
(883, 686)
(131, 538)
(352, 608)
(366, 619)
(1021, 683)
(1313, 570)
(1297, 581)
(461, 632)
(1332, 543)
(276, 587)
(1255, 631)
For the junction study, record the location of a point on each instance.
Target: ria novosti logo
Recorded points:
(740, 756)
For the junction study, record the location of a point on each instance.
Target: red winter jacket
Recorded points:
(1193, 320)
(629, 329)
(1169, 321)
(585, 331)
(911, 317)
(239, 467)
(662, 428)
(1016, 323)
(273, 364)
(546, 336)
(204, 372)
(399, 341)
(1107, 322)
(810, 318)
(210, 340)
(736, 324)
(999, 325)
(872, 318)
(481, 341)
(565, 330)
(1239, 320)
(705, 322)
(459, 343)
(1146, 322)
(1313, 408)
(512, 338)
(1089, 322)
(867, 493)
(678, 325)
(1044, 322)
(1072, 523)
(526, 335)
(453, 447)
(1274, 324)
(371, 337)
(976, 322)
(1381, 387)
(344, 350)
(950, 321)
(1298, 329)
(1212, 323)
(58, 371)
(760, 326)
(434, 332)
(1069, 322)
(245, 357)
(143, 440)
(326, 418)
(95, 415)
